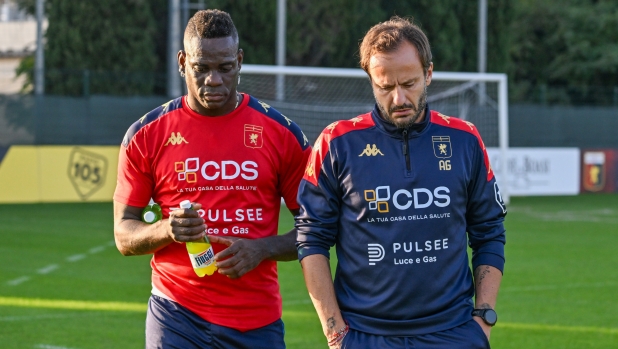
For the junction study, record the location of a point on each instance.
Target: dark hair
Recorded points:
(387, 36)
(210, 24)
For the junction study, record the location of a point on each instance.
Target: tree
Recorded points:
(328, 33)
(256, 22)
(568, 49)
(452, 29)
(319, 33)
(105, 46)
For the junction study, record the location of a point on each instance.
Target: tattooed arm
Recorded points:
(316, 269)
(486, 283)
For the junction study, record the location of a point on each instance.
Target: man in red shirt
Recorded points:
(235, 157)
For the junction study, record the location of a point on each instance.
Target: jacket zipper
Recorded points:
(406, 153)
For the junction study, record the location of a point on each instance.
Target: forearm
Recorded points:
(281, 247)
(487, 282)
(318, 278)
(134, 237)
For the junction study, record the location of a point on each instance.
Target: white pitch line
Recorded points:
(47, 346)
(35, 317)
(18, 281)
(48, 269)
(75, 258)
(96, 249)
(111, 243)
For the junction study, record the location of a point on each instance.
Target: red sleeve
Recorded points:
(294, 162)
(135, 184)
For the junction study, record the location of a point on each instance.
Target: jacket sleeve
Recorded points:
(319, 199)
(485, 214)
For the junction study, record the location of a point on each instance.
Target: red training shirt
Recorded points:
(238, 166)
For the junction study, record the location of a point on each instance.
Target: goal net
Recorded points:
(315, 97)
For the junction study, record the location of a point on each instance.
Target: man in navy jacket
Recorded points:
(396, 190)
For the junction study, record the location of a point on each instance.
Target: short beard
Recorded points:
(418, 111)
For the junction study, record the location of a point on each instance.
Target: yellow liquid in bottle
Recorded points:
(202, 258)
(201, 253)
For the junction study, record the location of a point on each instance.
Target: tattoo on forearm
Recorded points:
(479, 274)
(331, 322)
(484, 306)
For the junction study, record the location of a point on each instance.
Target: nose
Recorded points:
(399, 97)
(213, 78)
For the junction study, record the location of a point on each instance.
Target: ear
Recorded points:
(239, 57)
(182, 59)
(429, 74)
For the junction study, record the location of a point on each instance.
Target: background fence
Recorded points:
(103, 120)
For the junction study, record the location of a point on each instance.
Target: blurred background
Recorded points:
(538, 78)
(103, 64)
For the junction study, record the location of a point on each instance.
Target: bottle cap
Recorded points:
(149, 217)
(185, 204)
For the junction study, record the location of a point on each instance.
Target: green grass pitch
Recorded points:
(63, 284)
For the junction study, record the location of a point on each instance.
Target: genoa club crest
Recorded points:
(594, 170)
(442, 146)
(253, 136)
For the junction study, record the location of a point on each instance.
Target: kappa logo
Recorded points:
(289, 121)
(309, 170)
(356, 119)
(375, 252)
(176, 138)
(265, 106)
(445, 118)
(371, 151)
(332, 126)
(164, 107)
(499, 197)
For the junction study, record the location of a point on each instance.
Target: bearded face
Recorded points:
(416, 115)
(399, 84)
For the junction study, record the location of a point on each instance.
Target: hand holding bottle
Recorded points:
(186, 225)
(200, 252)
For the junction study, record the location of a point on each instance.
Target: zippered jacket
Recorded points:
(401, 206)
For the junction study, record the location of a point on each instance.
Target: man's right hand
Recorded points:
(186, 225)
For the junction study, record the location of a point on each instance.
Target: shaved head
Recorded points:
(209, 24)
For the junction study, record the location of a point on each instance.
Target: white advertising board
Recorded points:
(538, 171)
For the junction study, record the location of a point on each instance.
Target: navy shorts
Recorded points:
(170, 325)
(470, 335)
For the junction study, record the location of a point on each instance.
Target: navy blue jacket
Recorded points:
(397, 204)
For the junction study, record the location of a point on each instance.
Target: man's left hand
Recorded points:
(241, 256)
(486, 328)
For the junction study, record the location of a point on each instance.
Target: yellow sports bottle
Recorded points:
(201, 254)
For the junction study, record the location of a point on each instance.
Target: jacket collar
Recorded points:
(394, 131)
